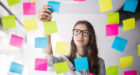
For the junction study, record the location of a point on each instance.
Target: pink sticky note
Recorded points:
(16, 41)
(29, 8)
(91, 74)
(132, 72)
(112, 30)
(79, 0)
(41, 64)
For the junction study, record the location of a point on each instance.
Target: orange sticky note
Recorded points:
(126, 61)
(31, 24)
(61, 48)
(105, 5)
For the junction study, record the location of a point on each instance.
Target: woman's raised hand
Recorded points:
(44, 14)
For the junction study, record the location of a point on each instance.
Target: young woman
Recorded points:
(83, 44)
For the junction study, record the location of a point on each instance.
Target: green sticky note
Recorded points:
(112, 70)
(139, 50)
(113, 18)
(61, 67)
(128, 24)
(8, 22)
(13, 2)
(50, 27)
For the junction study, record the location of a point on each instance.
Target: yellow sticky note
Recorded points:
(8, 22)
(105, 5)
(61, 48)
(139, 50)
(31, 24)
(50, 27)
(34, 0)
(113, 18)
(128, 24)
(126, 61)
(61, 67)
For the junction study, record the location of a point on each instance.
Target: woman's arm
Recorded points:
(45, 16)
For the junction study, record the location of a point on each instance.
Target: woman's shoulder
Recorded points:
(101, 60)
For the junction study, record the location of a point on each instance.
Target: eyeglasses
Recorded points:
(78, 31)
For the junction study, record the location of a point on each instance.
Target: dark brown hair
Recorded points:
(91, 49)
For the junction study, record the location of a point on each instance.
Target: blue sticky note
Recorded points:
(130, 5)
(81, 64)
(16, 68)
(119, 44)
(41, 42)
(54, 6)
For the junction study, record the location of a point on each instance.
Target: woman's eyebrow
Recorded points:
(81, 29)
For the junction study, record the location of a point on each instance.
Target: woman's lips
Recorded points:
(80, 40)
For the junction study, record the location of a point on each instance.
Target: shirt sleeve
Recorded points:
(52, 59)
(102, 70)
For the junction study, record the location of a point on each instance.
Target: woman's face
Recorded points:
(81, 35)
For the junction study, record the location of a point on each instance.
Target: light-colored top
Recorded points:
(53, 60)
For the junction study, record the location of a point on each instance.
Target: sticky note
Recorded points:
(128, 24)
(61, 48)
(41, 64)
(61, 67)
(126, 61)
(112, 30)
(41, 42)
(139, 50)
(16, 41)
(29, 8)
(91, 74)
(79, 0)
(13, 2)
(119, 44)
(130, 5)
(132, 72)
(16, 68)
(54, 6)
(81, 64)
(8, 22)
(113, 18)
(50, 27)
(30, 24)
(112, 70)
(105, 5)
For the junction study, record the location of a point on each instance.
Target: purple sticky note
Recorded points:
(79, 0)
(16, 41)
(41, 64)
(132, 72)
(112, 30)
(91, 74)
(29, 8)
